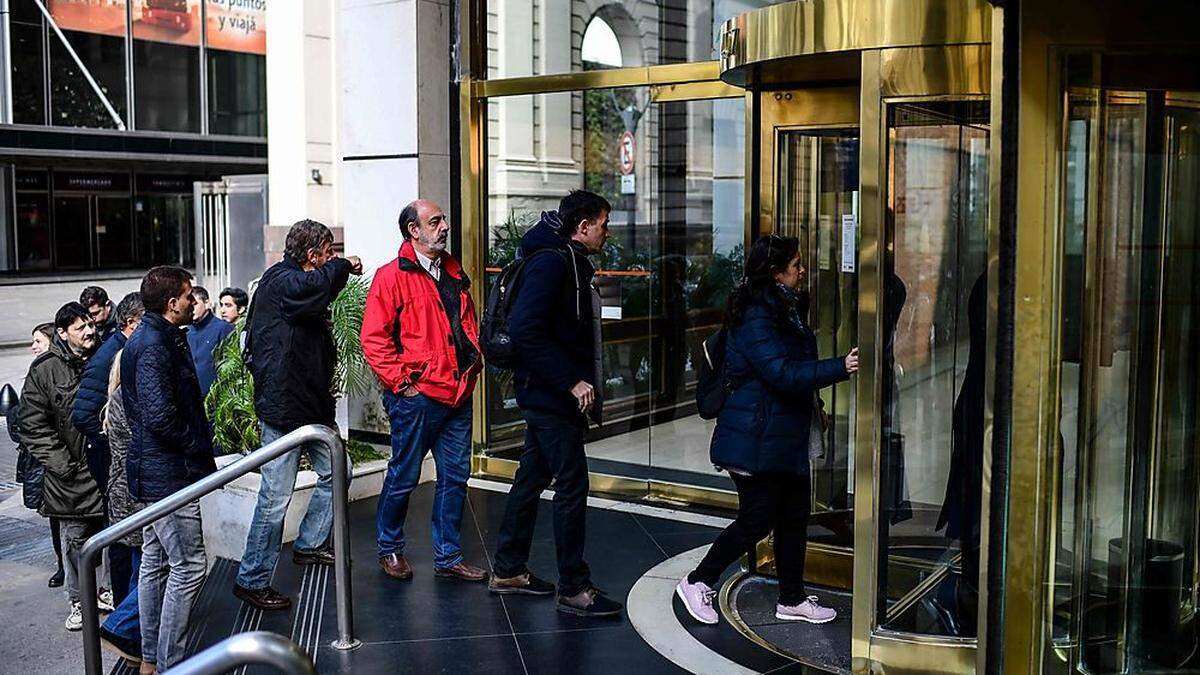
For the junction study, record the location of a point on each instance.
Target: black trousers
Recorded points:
(120, 571)
(767, 502)
(553, 451)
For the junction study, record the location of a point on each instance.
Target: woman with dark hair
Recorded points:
(30, 472)
(763, 431)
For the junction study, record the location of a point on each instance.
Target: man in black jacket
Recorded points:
(170, 448)
(292, 357)
(95, 300)
(555, 324)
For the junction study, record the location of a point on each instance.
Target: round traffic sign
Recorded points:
(626, 150)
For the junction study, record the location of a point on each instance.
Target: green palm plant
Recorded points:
(230, 401)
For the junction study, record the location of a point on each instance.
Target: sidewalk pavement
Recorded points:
(24, 306)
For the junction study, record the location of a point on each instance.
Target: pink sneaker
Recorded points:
(698, 598)
(808, 611)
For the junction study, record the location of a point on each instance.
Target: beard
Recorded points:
(434, 242)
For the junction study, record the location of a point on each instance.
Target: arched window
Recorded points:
(600, 46)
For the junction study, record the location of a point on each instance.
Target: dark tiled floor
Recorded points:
(826, 646)
(431, 625)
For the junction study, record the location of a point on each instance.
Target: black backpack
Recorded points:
(713, 385)
(494, 337)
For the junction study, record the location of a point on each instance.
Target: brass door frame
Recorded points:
(890, 76)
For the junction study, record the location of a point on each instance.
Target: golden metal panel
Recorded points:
(693, 91)
(867, 433)
(676, 73)
(905, 653)
(808, 27)
(820, 108)
(940, 70)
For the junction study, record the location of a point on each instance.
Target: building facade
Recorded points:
(112, 110)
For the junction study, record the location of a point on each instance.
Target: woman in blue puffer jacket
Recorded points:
(762, 435)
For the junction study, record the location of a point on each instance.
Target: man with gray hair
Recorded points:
(290, 351)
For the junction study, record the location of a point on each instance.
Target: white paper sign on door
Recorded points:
(849, 242)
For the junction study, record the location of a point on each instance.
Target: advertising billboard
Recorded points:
(237, 25)
(172, 21)
(105, 17)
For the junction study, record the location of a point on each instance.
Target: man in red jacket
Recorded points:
(420, 337)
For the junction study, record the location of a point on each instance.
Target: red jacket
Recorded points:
(407, 337)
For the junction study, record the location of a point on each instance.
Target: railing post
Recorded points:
(341, 546)
(312, 433)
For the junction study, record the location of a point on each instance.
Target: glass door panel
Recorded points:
(817, 202)
(114, 232)
(72, 232)
(1126, 563)
(934, 339)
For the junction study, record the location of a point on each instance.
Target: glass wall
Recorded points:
(673, 171)
(559, 36)
(237, 93)
(165, 93)
(1126, 554)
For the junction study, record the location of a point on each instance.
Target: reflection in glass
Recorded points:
(33, 231)
(237, 93)
(164, 229)
(73, 103)
(72, 232)
(934, 323)
(565, 33)
(677, 230)
(28, 74)
(1126, 562)
(114, 240)
(166, 86)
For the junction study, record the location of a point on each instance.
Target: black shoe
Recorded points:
(522, 584)
(266, 599)
(123, 647)
(56, 580)
(590, 602)
(320, 556)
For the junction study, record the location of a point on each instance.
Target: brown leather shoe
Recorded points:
(396, 566)
(462, 571)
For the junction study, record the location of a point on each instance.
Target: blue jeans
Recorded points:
(172, 572)
(274, 495)
(123, 622)
(419, 425)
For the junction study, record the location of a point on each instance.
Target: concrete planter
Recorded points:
(227, 512)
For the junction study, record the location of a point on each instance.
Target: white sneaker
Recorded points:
(105, 600)
(809, 611)
(74, 620)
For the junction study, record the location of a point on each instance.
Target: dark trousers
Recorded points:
(553, 451)
(120, 570)
(767, 502)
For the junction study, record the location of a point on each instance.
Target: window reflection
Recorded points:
(677, 227)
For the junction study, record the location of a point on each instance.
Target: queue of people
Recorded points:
(118, 423)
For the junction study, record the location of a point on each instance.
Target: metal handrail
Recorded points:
(312, 433)
(259, 647)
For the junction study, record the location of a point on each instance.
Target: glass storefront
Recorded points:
(80, 220)
(167, 71)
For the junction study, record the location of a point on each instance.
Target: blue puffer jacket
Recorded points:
(764, 425)
(203, 338)
(171, 441)
(89, 403)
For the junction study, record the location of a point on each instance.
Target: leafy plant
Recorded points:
(230, 401)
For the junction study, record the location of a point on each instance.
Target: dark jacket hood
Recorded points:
(548, 233)
(62, 350)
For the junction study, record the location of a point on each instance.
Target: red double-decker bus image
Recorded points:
(171, 14)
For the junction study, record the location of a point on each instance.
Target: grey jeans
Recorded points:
(75, 533)
(172, 571)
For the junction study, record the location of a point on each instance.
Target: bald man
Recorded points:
(420, 336)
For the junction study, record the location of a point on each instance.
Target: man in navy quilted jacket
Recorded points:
(170, 448)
